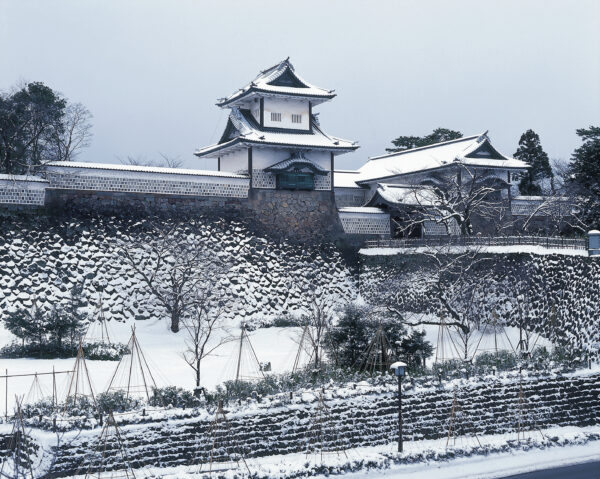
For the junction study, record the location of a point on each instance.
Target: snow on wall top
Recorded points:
(140, 169)
(28, 178)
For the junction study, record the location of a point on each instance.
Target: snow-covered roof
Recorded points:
(297, 160)
(36, 179)
(345, 179)
(394, 194)
(243, 130)
(142, 169)
(474, 151)
(280, 79)
(371, 210)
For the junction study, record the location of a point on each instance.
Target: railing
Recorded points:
(546, 242)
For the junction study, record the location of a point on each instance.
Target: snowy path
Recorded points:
(494, 466)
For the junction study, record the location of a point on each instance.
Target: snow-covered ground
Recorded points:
(164, 353)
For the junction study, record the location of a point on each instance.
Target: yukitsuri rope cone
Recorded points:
(17, 464)
(225, 454)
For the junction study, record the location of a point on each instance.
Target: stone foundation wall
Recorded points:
(485, 406)
(60, 200)
(301, 215)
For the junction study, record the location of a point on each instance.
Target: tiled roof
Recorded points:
(248, 132)
(404, 195)
(435, 156)
(297, 160)
(262, 84)
(143, 169)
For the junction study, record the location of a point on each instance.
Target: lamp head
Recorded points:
(399, 368)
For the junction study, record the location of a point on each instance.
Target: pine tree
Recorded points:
(584, 174)
(531, 152)
(437, 136)
(350, 337)
(415, 349)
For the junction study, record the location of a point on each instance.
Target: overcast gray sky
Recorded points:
(150, 71)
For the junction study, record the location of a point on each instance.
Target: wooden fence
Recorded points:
(546, 242)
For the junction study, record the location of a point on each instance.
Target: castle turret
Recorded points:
(273, 136)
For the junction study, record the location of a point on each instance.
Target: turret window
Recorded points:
(296, 118)
(275, 116)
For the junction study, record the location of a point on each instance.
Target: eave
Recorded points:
(436, 168)
(253, 90)
(206, 152)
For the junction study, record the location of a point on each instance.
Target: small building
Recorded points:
(410, 184)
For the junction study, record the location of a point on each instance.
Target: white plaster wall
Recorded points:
(286, 108)
(235, 162)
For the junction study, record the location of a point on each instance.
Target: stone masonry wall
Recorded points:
(59, 200)
(489, 406)
(304, 215)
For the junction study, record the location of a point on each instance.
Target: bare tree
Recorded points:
(170, 161)
(451, 285)
(318, 321)
(173, 266)
(166, 161)
(201, 324)
(454, 197)
(76, 133)
(138, 160)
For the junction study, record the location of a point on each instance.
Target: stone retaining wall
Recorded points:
(489, 406)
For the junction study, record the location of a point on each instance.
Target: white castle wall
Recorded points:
(365, 221)
(287, 107)
(117, 178)
(22, 190)
(236, 162)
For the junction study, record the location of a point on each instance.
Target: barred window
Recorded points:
(296, 118)
(275, 116)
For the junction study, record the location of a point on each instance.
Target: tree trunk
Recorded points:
(174, 322)
(197, 373)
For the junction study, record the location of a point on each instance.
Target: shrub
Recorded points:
(172, 396)
(116, 401)
(96, 351)
(105, 351)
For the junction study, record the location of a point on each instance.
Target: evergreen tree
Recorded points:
(584, 176)
(531, 152)
(350, 338)
(437, 136)
(415, 349)
(37, 125)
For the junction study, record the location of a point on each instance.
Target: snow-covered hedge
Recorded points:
(348, 417)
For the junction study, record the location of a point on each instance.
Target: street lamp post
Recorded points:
(399, 369)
